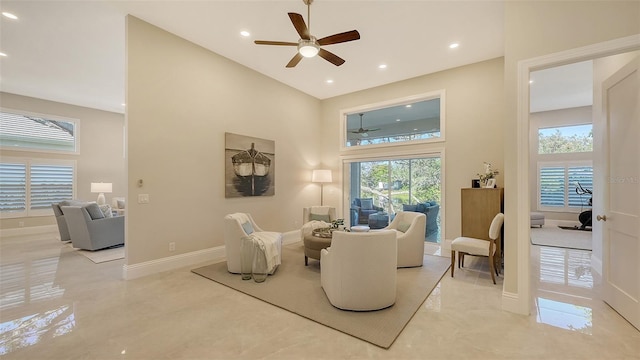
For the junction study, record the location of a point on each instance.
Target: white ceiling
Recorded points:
(73, 51)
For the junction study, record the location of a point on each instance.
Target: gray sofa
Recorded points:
(429, 208)
(90, 230)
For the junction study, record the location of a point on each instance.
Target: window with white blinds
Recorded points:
(28, 187)
(32, 132)
(557, 183)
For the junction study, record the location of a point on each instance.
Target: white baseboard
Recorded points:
(290, 237)
(31, 230)
(511, 302)
(214, 254)
(596, 264)
(553, 223)
(146, 268)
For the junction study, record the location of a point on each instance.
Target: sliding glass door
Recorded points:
(379, 189)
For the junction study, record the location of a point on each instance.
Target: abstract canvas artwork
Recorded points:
(249, 166)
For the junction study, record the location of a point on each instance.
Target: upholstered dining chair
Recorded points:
(358, 272)
(409, 228)
(479, 247)
(239, 225)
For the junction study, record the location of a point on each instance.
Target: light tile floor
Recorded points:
(55, 304)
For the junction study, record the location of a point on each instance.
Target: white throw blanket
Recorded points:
(308, 228)
(268, 244)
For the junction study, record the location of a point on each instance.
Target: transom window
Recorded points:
(22, 131)
(410, 120)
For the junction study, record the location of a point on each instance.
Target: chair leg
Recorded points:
(492, 266)
(306, 260)
(453, 260)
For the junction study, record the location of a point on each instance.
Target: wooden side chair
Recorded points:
(479, 247)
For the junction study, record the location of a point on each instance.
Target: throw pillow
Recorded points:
(106, 210)
(367, 204)
(94, 211)
(421, 208)
(406, 207)
(319, 217)
(403, 227)
(248, 228)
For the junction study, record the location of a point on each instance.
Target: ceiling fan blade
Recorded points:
(299, 24)
(294, 60)
(331, 57)
(340, 38)
(284, 43)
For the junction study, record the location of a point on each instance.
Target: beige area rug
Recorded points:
(296, 288)
(100, 256)
(556, 237)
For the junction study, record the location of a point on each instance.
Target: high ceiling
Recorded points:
(74, 51)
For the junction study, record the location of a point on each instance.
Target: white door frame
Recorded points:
(521, 302)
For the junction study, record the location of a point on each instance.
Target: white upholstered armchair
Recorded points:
(358, 272)
(319, 213)
(239, 225)
(409, 227)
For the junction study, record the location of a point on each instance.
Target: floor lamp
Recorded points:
(322, 177)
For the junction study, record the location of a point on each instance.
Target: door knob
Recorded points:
(603, 217)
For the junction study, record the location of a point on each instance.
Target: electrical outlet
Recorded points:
(172, 246)
(143, 198)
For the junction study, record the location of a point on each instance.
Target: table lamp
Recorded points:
(101, 188)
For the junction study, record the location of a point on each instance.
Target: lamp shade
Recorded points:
(101, 187)
(321, 176)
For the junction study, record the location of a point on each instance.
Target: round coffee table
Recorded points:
(313, 245)
(360, 228)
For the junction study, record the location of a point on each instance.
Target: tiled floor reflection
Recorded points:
(55, 304)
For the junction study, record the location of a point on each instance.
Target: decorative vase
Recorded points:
(247, 250)
(259, 268)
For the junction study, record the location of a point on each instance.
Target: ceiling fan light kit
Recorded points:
(308, 45)
(308, 48)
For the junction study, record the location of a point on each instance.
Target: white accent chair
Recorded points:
(118, 205)
(409, 228)
(479, 247)
(239, 225)
(318, 213)
(358, 272)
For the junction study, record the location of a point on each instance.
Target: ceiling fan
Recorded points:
(361, 131)
(308, 45)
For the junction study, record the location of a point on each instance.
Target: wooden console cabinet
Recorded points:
(479, 207)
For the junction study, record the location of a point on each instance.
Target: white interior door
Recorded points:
(621, 217)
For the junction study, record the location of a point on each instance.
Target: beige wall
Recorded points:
(474, 104)
(181, 99)
(543, 119)
(101, 155)
(536, 28)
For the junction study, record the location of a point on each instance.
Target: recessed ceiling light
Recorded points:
(382, 66)
(329, 81)
(415, 129)
(530, 81)
(123, 104)
(454, 45)
(2, 54)
(408, 105)
(9, 15)
(397, 119)
(245, 33)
